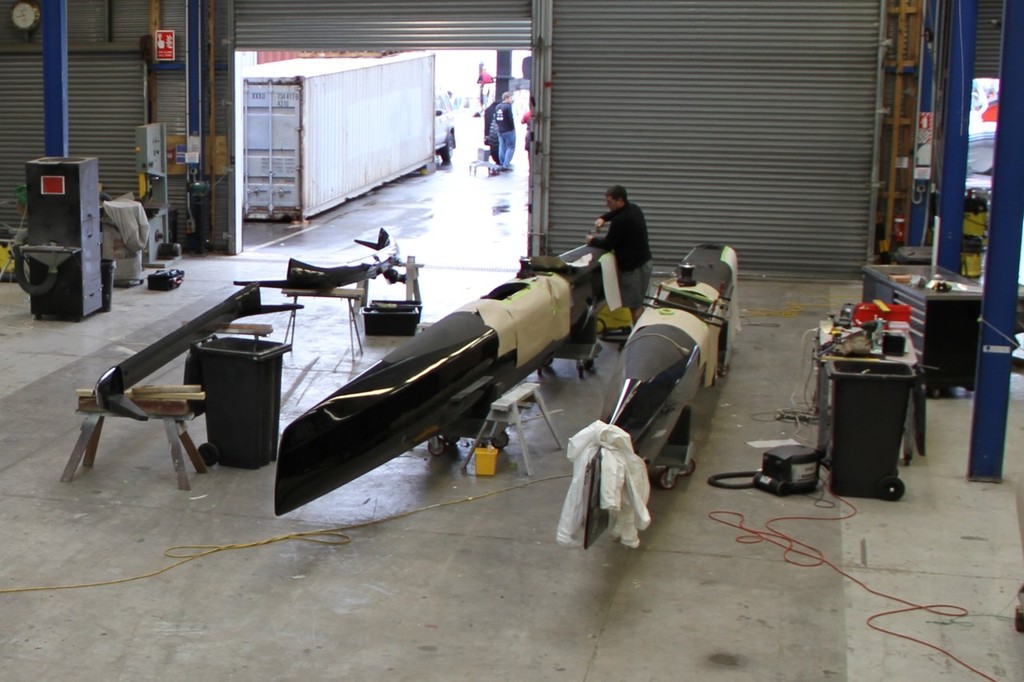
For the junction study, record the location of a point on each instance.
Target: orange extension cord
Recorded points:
(805, 556)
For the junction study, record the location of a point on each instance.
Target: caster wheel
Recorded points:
(209, 453)
(667, 478)
(436, 445)
(500, 439)
(890, 488)
(688, 468)
(1018, 619)
(579, 369)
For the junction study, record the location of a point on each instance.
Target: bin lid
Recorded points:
(237, 346)
(870, 369)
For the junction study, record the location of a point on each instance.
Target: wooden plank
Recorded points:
(169, 388)
(152, 408)
(170, 392)
(247, 328)
(341, 292)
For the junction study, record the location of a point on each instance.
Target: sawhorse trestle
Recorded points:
(167, 404)
(354, 297)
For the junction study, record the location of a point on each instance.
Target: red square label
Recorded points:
(52, 184)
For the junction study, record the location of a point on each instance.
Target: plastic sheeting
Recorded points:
(625, 487)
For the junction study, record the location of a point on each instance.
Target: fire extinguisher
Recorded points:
(899, 229)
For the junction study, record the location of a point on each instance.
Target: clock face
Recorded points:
(25, 15)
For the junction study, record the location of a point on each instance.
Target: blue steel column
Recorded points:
(963, 30)
(55, 77)
(919, 205)
(194, 67)
(194, 106)
(1002, 260)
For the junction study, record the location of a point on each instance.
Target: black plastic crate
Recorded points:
(391, 318)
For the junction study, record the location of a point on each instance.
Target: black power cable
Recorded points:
(718, 480)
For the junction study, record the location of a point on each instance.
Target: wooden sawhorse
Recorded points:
(352, 295)
(156, 402)
(505, 410)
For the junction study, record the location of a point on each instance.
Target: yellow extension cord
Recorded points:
(326, 536)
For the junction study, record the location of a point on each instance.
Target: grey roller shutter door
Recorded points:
(397, 25)
(104, 106)
(749, 123)
(21, 135)
(990, 37)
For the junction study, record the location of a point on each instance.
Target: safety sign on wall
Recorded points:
(925, 138)
(164, 45)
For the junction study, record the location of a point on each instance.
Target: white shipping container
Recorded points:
(321, 131)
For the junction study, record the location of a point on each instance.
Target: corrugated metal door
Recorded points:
(745, 122)
(102, 119)
(101, 112)
(21, 135)
(990, 38)
(106, 99)
(375, 25)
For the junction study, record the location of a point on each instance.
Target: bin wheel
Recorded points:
(437, 445)
(500, 439)
(890, 488)
(209, 453)
(1018, 619)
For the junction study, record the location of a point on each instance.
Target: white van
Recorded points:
(444, 126)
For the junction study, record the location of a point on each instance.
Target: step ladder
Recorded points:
(505, 411)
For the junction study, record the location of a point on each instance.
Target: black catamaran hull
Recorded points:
(450, 372)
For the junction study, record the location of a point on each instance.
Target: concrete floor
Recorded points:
(449, 576)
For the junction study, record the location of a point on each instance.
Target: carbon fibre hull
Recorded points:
(449, 373)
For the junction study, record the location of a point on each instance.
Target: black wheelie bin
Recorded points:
(242, 381)
(869, 410)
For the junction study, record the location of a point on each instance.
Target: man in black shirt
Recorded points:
(627, 237)
(506, 131)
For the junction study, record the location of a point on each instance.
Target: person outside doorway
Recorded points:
(503, 118)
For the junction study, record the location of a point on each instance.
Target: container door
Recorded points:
(272, 150)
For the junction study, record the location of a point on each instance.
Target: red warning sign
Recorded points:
(164, 45)
(925, 127)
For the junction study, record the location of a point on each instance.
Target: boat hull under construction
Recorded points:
(449, 373)
(680, 344)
